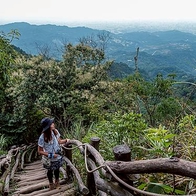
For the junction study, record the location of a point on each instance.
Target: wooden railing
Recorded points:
(14, 161)
(103, 177)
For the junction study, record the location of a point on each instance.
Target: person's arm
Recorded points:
(42, 152)
(60, 141)
(63, 141)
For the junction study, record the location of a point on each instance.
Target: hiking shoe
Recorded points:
(51, 186)
(57, 185)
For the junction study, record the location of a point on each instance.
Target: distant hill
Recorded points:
(159, 52)
(35, 36)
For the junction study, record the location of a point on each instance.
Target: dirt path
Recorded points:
(32, 181)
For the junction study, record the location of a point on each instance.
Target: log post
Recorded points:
(31, 155)
(95, 142)
(123, 153)
(90, 178)
(7, 185)
(14, 168)
(68, 154)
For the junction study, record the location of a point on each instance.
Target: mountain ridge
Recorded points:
(159, 51)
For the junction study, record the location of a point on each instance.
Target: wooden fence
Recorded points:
(13, 161)
(115, 178)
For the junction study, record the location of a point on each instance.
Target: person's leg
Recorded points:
(50, 179)
(56, 174)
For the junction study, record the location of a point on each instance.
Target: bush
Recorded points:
(118, 129)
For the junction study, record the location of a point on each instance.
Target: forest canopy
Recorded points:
(155, 117)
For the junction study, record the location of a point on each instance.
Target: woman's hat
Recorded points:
(46, 122)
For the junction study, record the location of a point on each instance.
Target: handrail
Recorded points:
(105, 172)
(10, 164)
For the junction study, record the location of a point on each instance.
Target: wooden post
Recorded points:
(90, 178)
(95, 142)
(123, 153)
(68, 154)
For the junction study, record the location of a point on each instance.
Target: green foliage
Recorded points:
(7, 67)
(63, 89)
(158, 142)
(187, 123)
(7, 56)
(77, 130)
(111, 97)
(186, 137)
(85, 103)
(160, 189)
(168, 109)
(163, 143)
(3, 144)
(118, 129)
(155, 99)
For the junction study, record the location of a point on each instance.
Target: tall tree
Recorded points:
(155, 98)
(7, 67)
(62, 89)
(7, 56)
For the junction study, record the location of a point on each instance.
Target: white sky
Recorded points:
(62, 11)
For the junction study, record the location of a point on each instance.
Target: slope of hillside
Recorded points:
(35, 36)
(159, 52)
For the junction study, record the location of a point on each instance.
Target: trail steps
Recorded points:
(32, 181)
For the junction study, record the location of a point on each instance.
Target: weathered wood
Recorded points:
(105, 186)
(76, 143)
(5, 168)
(68, 192)
(7, 185)
(36, 183)
(31, 172)
(9, 164)
(95, 142)
(23, 159)
(15, 165)
(161, 165)
(90, 178)
(101, 193)
(30, 182)
(30, 155)
(56, 191)
(34, 193)
(97, 156)
(68, 154)
(3, 179)
(38, 168)
(83, 189)
(8, 157)
(28, 177)
(33, 163)
(63, 171)
(34, 187)
(27, 149)
(4, 162)
(122, 153)
(46, 191)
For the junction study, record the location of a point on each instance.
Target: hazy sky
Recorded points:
(62, 11)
